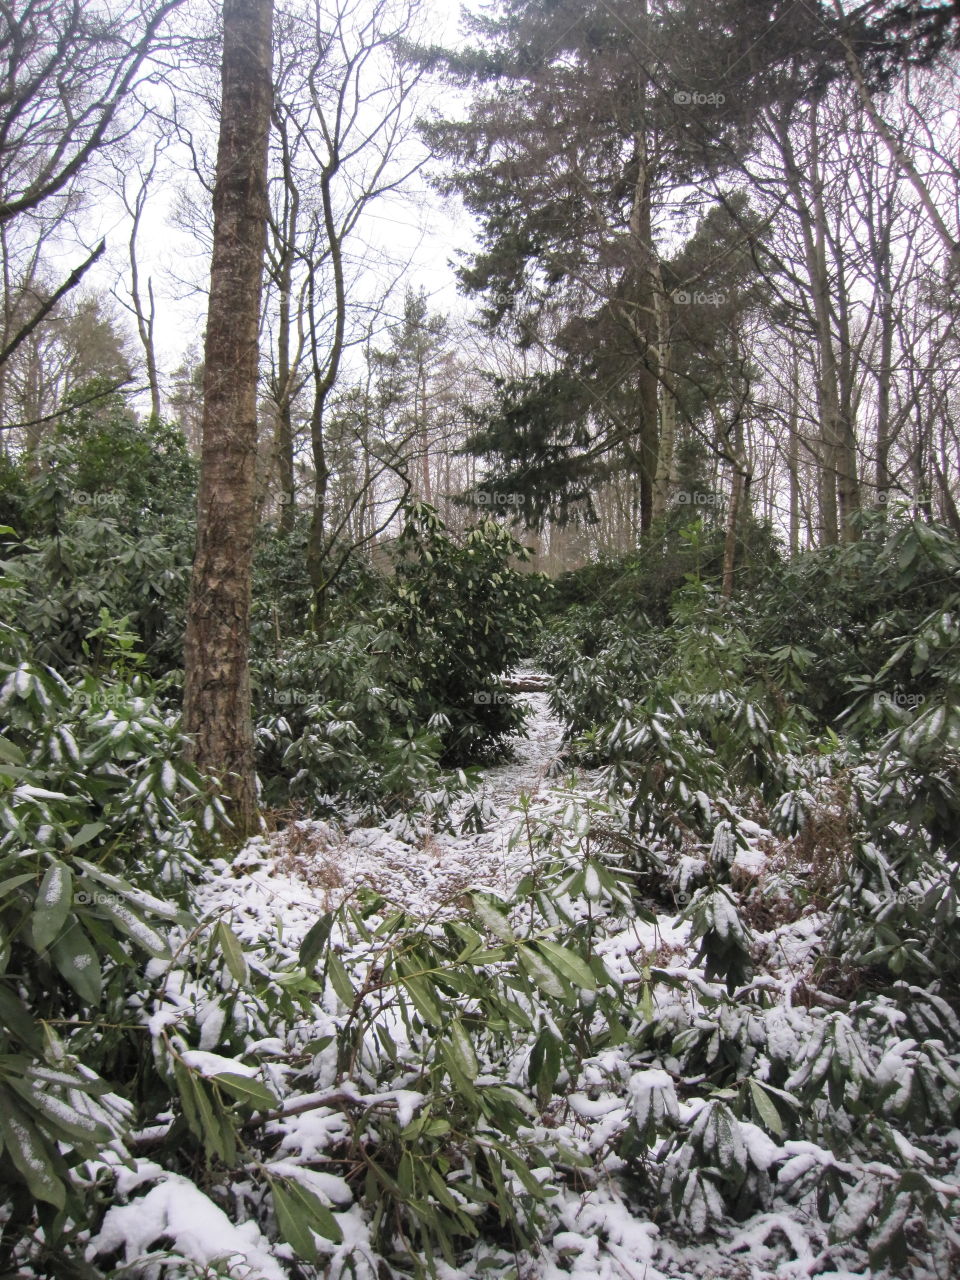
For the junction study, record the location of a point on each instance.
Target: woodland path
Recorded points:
(432, 874)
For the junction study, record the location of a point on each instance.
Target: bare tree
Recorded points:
(68, 72)
(133, 179)
(345, 113)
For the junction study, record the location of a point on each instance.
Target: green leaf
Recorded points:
(310, 1212)
(14, 882)
(461, 1046)
(252, 1092)
(62, 1121)
(540, 973)
(186, 1087)
(88, 832)
(10, 753)
(134, 926)
(77, 961)
(492, 916)
(765, 1109)
(138, 897)
(52, 905)
(545, 1061)
(208, 1129)
(340, 979)
(423, 999)
(315, 940)
(515, 1162)
(568, 964)
(16, 1018)
(232, 951)
(30, 1154)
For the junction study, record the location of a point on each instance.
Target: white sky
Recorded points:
(416, 226)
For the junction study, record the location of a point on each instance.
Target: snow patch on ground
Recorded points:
(317, 864)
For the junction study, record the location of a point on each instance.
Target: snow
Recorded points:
(329, 1188)
(593, 1228)
(430, 879)
(593, 1108)
(212, 1064)
(199, 1231)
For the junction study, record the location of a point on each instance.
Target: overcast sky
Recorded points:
(417, 227)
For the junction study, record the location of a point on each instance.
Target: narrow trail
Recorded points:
(432, 876)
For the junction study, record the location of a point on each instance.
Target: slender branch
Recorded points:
(41, 314)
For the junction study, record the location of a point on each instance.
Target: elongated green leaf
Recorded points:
(420, 993)
(53, 902)
(493, 917)
(210, 1130)
(89, 831)
(17, 1019)
(765, 1109)
(252, 1092)
(568, 964)
(63, 1121)
(462, 1048)
(139, 898)
(186, 1087)
(340, 979)
(516, 1163)
(310, 1212)
(134, 926)
(539, 972)
(232, 950)
(544, 1067)
(14, 882)
(293, 1229)
(30, 1153)
(315, 940)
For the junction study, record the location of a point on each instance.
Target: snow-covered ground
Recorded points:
(432, 875)
(281, 884)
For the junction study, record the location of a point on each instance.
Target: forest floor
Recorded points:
(287, 880)
(429, 876)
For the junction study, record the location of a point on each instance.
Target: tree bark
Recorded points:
(645, 331)
(217, 714)
(793, 453)
(668, 405)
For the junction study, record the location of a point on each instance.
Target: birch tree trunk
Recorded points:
(217, 714)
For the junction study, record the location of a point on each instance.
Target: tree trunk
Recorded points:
(324, 380)
(282, 258)
(646, 333)
(668, 406)
(885, 375)
(283, 438)
(730, 540)
(217, 714)
(644, 321)
(793, 453)
(839, 490)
